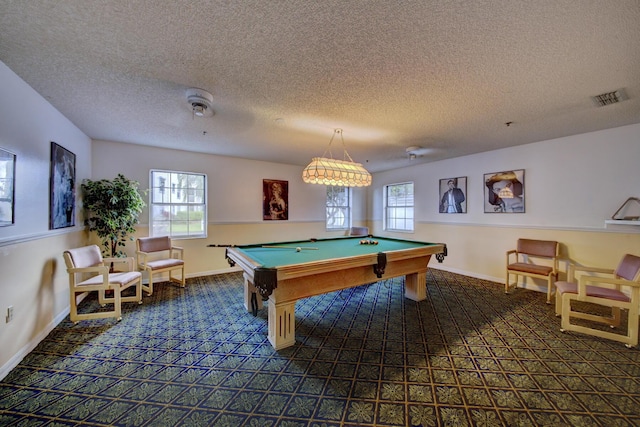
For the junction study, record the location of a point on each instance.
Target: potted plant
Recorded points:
(111, 209)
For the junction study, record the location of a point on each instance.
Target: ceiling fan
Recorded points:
(415, 151)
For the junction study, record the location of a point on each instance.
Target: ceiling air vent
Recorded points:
(609, 98)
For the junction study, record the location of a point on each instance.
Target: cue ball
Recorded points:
(298, 249)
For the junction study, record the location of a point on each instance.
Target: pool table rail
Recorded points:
(266, 279)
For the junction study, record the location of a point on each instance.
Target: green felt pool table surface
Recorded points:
(322, 249)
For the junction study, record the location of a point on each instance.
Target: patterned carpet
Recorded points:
(467, 356)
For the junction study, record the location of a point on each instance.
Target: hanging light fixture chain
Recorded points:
(345, 155)
(328, 149)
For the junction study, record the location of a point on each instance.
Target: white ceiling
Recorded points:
(440, 74)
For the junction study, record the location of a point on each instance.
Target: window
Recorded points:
(399, 207)
(338, 207)
(178, 204)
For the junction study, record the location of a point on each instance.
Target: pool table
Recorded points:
(285, 272)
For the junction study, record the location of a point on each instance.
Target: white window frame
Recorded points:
(167, 197)
(399, 213)
(332, 208)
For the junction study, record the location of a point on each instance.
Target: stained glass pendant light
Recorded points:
(330, 171)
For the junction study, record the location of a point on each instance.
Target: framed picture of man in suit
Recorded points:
(453, 195)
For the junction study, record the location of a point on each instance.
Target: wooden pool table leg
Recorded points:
(415, 286)
(249, 290)
(282, 323)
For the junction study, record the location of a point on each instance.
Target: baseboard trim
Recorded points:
(33, 343)
(499, 280)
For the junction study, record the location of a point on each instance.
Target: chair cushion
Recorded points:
(629, 267)
(154, 244)
(86, 256)
(592, 291)
(165, 263)
(543, 248)
(524, 267)
(114, 278)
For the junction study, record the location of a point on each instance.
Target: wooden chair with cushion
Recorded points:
(157, 255)
(604, 287)
(89, 272)
(520, 263)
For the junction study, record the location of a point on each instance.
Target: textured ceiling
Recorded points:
(444, 75)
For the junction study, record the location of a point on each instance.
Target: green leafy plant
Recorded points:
(112, 208)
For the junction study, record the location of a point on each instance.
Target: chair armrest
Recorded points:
(127, 260)
(609, 280)
(141, 258)
(511, 252)
(573, 268)
(179, 250)
(585, 280)
(593, 269)
(101, 269)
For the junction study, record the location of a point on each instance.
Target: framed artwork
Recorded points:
(453, 195)
(62, 189)
(504, 192)
(7, 187)
(275, 200)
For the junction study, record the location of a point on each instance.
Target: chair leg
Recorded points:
(149, 287)
(179, 280)
(549, 285)
(565, 313)
(182, 281)
(117, 309)
(507, 285)
(615, 317)
(73, 307)
(632, 325)
(139, 291)
(102, 298)
(558, 303)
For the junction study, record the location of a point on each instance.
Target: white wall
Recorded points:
(234, 198)
(572, 185)
(576, 181)
(28, 125)
(33, 278)
(235, 185)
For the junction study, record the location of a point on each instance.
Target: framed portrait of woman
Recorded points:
(504, 192)
(275, 200)
(453, 195)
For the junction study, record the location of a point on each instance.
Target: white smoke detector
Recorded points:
(200, 102)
